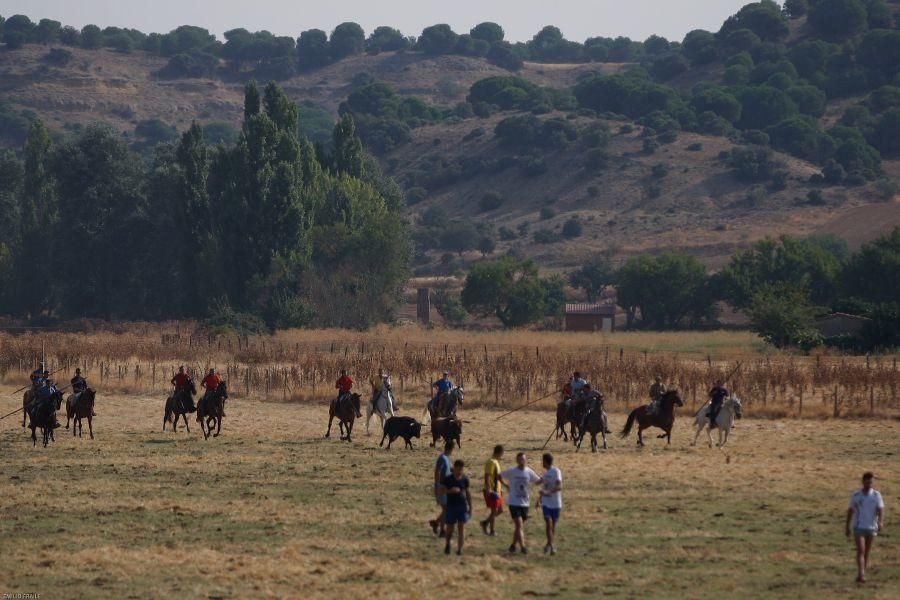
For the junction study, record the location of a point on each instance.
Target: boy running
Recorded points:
(866, 511)
(493, 492)
(442, 469)
(551, 500)
(519, 479)
(455, 487)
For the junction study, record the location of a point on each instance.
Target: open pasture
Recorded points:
(272, 509)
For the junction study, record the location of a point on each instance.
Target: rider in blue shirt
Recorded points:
(443, 385)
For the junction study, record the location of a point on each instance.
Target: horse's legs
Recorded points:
(349, 430)
(640, 435)
(593, 442)
(709, 436)
(605, 425)
(90, 426)
(330, 420)
(218, 426)
(669, 435)
(381, 443)
(186, 426)
(696, 435)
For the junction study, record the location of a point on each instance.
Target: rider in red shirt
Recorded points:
(344, 384)
(180, 381)
(211, 383)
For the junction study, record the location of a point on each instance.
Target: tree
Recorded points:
(347, 39)
(91, 36)
(508, 289)
(593, 277)
(47, 31)
(873, 273)
(796, 8)
(459, 236)
(313, 50)
(764, 106)
(348, 149)
(811, 263)
(879, 52)
(782, 315)
(762, 18)
(17, 31)
(665, 290)
(487, 31)
(386, 39)
(879, 15)
(38, 212)
(572, 228)
(699, 47)
(437, 39)
(486, 245)
(838, 19)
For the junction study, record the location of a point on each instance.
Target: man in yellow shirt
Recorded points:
(493, 492)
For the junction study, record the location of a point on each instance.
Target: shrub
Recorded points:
(490, 201)
(545, 236)
(415, 195)
(695, 147)
(659, 171)
(572, 228)
(547, 213)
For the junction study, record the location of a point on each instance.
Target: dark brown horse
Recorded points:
(595, 422)
(27, 397)
(81, 408)
(180, 404)
(564, 416)
(664, 417)
(346, 413)
(211, 409)
(42, 414)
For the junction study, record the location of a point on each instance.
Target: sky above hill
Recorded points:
(578, 19)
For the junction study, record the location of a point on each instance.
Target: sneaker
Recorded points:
(552, 550)
(447, 549)
(524, 550)
(484, 527)
(512, 549)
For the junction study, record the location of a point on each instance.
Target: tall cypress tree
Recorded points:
(348, 149)
(251, 100)
(192, 218)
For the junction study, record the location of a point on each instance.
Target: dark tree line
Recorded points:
(268, 226)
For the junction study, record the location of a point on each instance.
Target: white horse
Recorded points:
(383, 405)
(731, 409)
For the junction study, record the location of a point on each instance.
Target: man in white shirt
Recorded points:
(866, 512)
(519, 480)
(551, 500)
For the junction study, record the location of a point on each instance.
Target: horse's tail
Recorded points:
(629, 423)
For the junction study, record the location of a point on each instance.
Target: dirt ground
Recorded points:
(271, 508)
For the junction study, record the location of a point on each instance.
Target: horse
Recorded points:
(42, 414)
(179, 404)
(211, 409)
(27, 398)
(346, 414)
(78, 407)
(595, 422)
(664, 417)
(731, 409)
(382, 405)
(446, 404)
(564, 417)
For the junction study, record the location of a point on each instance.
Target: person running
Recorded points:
(442, 469)
(519, 480)
(550, 500)
(493, 490)
(866, 512)
(455, 488)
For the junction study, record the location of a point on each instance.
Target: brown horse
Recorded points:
(346, 414)
(565, 416)
(82, 408)
(446, 404)
(211, 409)
(180, 404)
(27, 397)
(664, 417)
(42, 414)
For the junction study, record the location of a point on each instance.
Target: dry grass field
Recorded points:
(272, 509)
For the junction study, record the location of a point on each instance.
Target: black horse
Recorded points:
(180, 404)
(42, 414)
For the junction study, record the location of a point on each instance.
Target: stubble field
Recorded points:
(272, 509)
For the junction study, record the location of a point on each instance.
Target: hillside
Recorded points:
(121, 89)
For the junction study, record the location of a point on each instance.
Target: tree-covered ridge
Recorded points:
(267, 226)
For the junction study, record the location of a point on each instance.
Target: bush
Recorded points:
(415, 195)
(752, 163)
(695, 147)
(596, 159)
(545, 236)
(659, 171)
(650, 145)
(490, 201)
(507, 234)
(547, 213)
(572, 228)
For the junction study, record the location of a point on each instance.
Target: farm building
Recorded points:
(590, 317)
(840, 324)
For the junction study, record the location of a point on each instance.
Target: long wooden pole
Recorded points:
(528, 404)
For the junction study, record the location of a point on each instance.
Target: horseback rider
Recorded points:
(381, 384)
(344, 384)
(211, 384)
(444, 386)
(657, 391)
(576, 385)
(590, 399)
(37, 377)
(79, 385)
(182, 381)
(717, 396)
